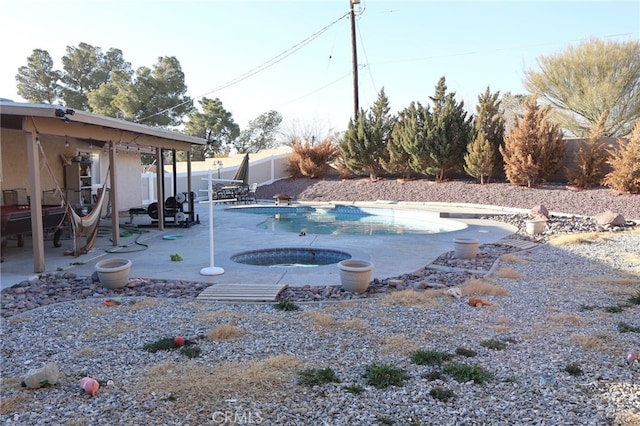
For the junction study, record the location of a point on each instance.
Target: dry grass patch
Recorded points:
(142, 304)
(584, 238)
(354, 324)
(627, 418)
(88, 351)
(194, 386)
(114, 328)
(14, 404)
(224, 332)
(593, 342)
(633, 258)
(426, 298)
(320, 319)
(399, 344)
(508, 273)
(565, 318)
(477, 286)
(513, 259)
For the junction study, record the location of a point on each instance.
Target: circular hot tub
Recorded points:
(290, 257)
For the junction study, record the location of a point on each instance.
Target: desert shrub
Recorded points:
(625, 162)
(441, 394)
(312, 160)
(422, 357)
(589, 159)
(534, 150)
(315, 376)
(286, 305)
(469, 353)
(493, 344)
(354, 388)
(573, 369)
(465, 373)
(384, 375)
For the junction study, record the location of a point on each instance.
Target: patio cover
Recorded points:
(43, 119)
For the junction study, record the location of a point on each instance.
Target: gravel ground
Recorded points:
(565, 317)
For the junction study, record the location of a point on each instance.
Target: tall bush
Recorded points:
(590, 159)
(313, 161)
(534, 150)
(625, 162)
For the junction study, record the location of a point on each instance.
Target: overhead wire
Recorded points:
(265, 65)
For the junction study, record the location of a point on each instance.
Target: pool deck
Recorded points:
(392, 255)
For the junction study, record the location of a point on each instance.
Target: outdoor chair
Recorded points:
(251, 193)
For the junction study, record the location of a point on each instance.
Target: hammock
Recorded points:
(81, 226)
(86, 226)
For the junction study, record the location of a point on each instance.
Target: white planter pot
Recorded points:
(355, 275)
(113, 273)
(465, 248)
(535, 226)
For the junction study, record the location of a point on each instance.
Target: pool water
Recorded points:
(349, 220)
(290, 257)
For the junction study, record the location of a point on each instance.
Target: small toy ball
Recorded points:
(89, 385)
(179, 341)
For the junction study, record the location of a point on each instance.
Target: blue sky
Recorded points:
(403, 46)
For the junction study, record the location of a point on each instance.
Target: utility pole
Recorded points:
(356, 107)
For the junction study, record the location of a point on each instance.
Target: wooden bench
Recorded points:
(281, 198)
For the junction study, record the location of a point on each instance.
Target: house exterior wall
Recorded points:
(15, 165)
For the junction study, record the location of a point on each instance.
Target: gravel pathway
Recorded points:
(552, 342)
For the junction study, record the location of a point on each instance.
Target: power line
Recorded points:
(271, 62)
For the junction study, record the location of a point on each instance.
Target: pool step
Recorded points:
(518, 243)
(242, 292)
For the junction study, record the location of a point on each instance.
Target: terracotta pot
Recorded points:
(465, 248)
(355, 274)
(113, 273)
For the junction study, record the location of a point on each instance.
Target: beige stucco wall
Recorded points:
(15, 165)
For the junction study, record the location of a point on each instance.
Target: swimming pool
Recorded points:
(350, 220)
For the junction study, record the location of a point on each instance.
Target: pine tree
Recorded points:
(625, 161)
(590, 158)
(489, 120)
(479, 160)
(447, 132)
(364, 143)
(406, 133)
(534, 149)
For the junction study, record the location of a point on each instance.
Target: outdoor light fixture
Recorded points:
(63, 113)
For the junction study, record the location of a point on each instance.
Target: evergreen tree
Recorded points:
(38, 81)
(260, 133)
(215, 124)
(480, 157)
(489, 121)
(364, 143)
(406, 134)
(447, 132)
(156, 97)
(534, 149)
